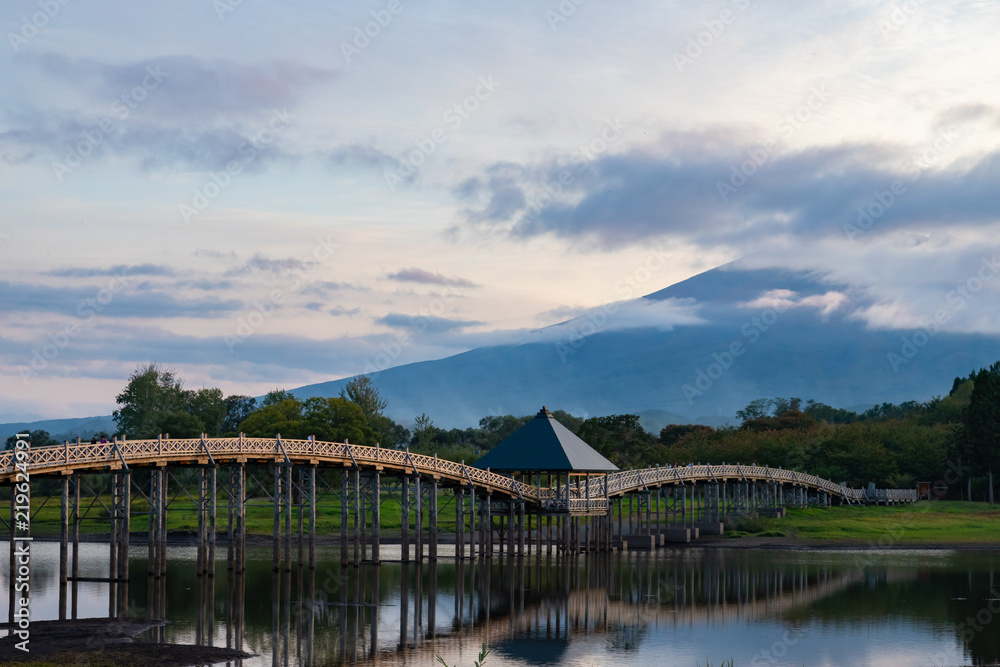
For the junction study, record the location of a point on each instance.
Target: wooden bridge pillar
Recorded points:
(206, 520)
(157, 522)
(473, 513)
(376, 499)
(364, 490)
(404, 542)
(418, 519)
(356, 514)
(487, 523)
(510, 528)
(520, 529)
(236, 531)
(63, 545)
(459, 524)
(306, 514)
(433, 507)
(343, 517)
(282, 512)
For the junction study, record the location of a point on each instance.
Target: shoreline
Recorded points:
(711, 542)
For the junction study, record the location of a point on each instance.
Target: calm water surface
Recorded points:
(672, 607)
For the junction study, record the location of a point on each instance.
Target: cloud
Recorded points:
(415, 275)
(120, 269)
(690, 187)
(424, 323)
(359, 155)
(340, 310)
(261, 264)
(783, 299)
(175, 112)
(115, 300)
(324, 288)
(194, 88)
(559, 313)
(662, 314)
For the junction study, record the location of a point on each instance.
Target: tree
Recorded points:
(209, 407)
(180, 424)
(363, 392)
(284, 417)
(152, 393)
(981, 426)
(619, 438)
(424, 431)
(755, 409)
(37, 438)
(674, 433)
(336, 420)
(238, 408)
(388, 433)
(275, 396)
(500, 427)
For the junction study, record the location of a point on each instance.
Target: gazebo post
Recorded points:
(548, 522)
(566, 520)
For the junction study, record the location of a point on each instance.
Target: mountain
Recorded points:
(696, 351)
(62, 429)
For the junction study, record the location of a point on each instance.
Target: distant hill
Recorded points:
(637, 363)
(62, 429)
(669, 357)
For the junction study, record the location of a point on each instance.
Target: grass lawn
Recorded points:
(926, 522)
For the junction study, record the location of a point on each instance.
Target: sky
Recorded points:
(263, 194)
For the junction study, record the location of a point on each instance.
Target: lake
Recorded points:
(684, 606)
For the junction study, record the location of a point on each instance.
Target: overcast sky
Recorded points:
(268, 193)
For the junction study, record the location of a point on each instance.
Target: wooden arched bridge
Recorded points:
(652, 505)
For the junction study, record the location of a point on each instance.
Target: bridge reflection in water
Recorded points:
(528, 609)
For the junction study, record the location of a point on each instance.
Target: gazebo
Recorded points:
(545, 448)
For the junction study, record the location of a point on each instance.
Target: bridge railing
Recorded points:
(628, 480)
(70, 455)
(138, 450)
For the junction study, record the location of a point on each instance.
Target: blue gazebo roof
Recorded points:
(544, 445)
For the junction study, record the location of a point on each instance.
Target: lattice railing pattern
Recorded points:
(86, 454)
(631, 480)
(44, 459)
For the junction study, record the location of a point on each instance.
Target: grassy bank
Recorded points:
(937, 522)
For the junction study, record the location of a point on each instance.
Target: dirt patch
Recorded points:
(105, 642)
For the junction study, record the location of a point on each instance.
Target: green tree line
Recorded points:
(955, 438)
